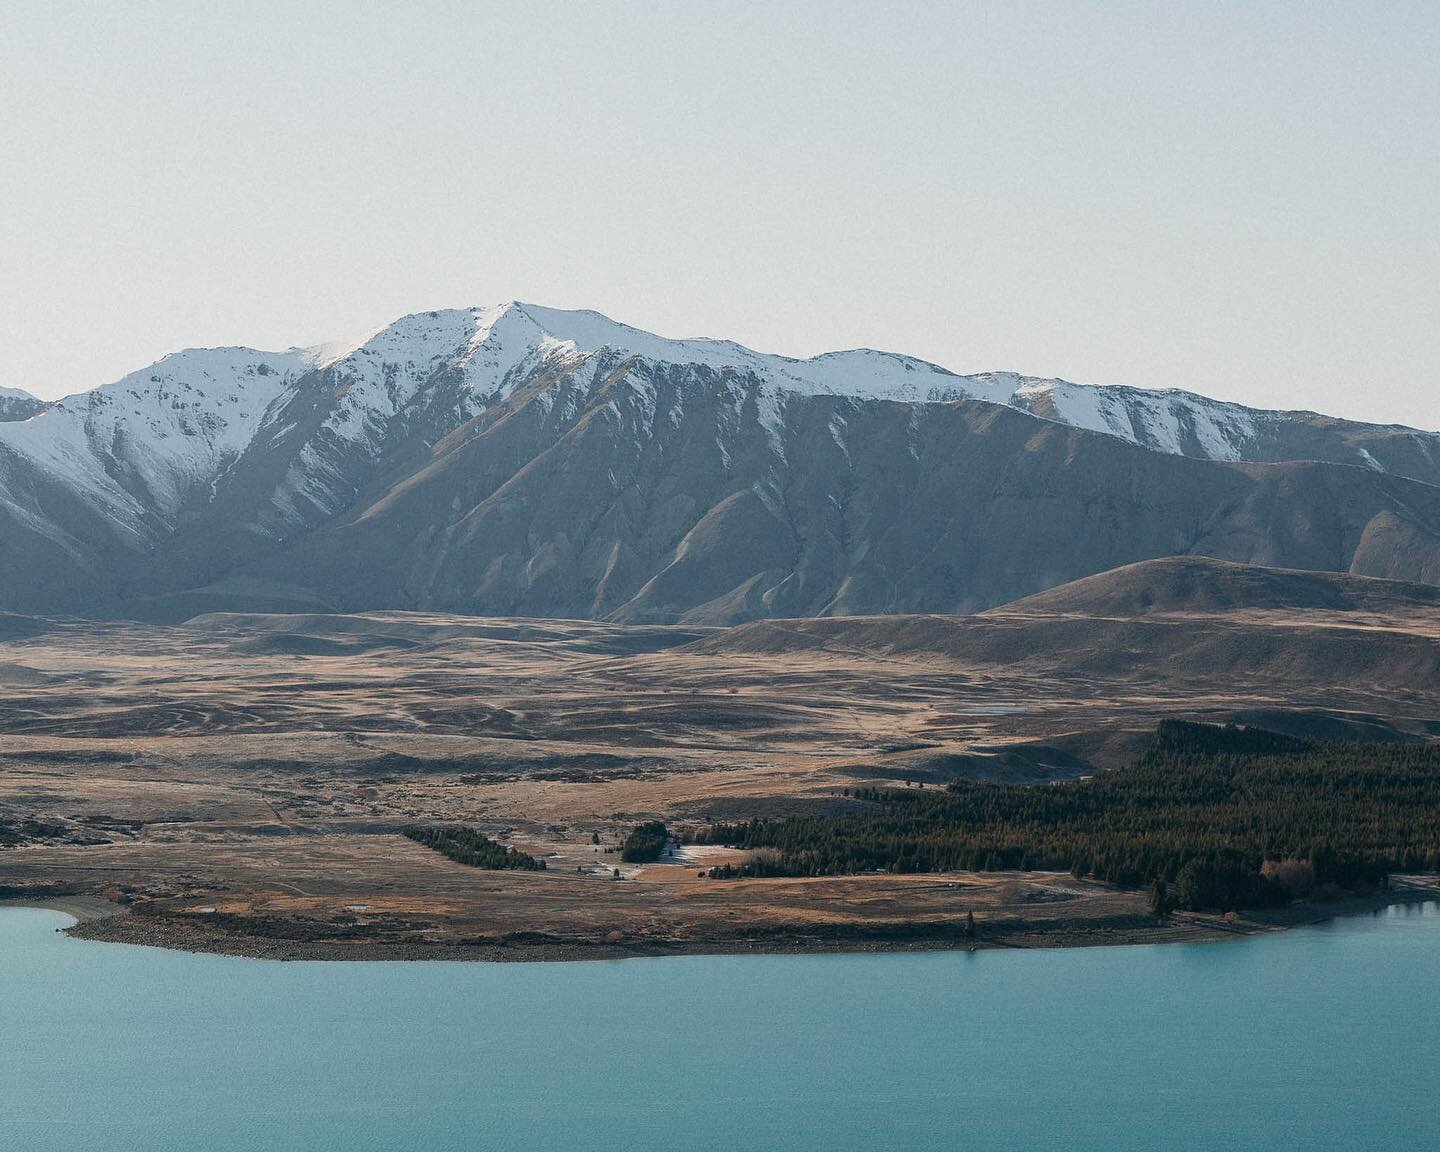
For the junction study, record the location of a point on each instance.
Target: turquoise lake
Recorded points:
(1320, 1038)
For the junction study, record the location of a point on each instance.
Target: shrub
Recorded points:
(1297, 877)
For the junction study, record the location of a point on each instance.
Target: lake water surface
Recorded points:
(1319, 1038)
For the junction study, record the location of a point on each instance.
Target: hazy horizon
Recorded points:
(1233, 201)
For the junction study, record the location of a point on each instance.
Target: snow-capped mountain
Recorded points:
(685, 477)
(140, 446)
(16, 404)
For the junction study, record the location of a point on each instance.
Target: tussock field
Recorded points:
(241, 783)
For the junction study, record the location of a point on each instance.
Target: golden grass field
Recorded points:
(238, 782)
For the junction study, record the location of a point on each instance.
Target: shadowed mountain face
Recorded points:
(858, 507)
(18, 405)
(523, 461)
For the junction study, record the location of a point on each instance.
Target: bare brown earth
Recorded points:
(238, 783)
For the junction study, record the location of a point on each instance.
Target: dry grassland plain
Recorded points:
(238, 783)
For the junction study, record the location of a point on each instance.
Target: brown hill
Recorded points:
(1198, 623)
(1201, 584)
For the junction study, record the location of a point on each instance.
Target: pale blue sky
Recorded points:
(1237, 198)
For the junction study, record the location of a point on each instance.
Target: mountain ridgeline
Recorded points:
(526, 461)
(18, 405)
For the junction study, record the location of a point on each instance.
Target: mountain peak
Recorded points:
(492, 458)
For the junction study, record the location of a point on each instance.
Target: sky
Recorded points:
(1242, 199)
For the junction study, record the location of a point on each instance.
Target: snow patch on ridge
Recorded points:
(142, 447)
(145, 441)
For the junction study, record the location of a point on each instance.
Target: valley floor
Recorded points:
(238, 784)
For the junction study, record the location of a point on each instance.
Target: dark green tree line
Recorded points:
(467, 846)
(1219, 802)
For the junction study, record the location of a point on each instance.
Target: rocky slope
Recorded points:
(524, 460)
(16, 404)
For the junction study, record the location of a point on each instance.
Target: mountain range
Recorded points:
(527, 461)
